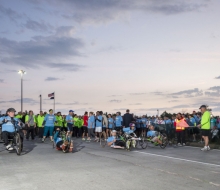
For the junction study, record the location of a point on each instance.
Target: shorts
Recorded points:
(98, 129)
(48, 130)
(205, 132)
(70, 127)
(85, 129)
(154, 139)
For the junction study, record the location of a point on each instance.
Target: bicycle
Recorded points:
(66, 140)
(162, 138)
(15, 140)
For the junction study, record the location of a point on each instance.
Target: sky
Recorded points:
(111, 55)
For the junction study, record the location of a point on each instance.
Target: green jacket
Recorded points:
(40, 120)
(205, 122)
(19, 116)
(59, 121)
(79, 123)
(27, 118)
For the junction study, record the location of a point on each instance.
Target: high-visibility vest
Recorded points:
(178, 127)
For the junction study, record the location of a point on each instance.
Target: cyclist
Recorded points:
(153, 135)
(113, 142)
(8, 127)
(61, 142)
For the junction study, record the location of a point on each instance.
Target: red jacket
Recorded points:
(85, 119)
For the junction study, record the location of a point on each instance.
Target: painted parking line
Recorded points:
(186, 160)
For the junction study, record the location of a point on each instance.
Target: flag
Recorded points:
(52, 98)
(51, 95)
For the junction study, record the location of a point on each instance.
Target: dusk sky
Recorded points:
(111, 55)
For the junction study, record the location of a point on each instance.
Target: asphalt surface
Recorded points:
(93, 167)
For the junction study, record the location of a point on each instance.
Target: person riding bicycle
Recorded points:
(113, 142)
(153, 135)
(61, 142)
(9, 124)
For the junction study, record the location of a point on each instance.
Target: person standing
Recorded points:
(85, 126)
(31, 124)
(118, 122)
(91, 126)
(127, 119)
(40, 120)
(205, 126)
(98, 125)
(69, 120)
(48, 125)
(59, 119)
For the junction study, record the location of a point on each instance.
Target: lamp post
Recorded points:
(21, 72)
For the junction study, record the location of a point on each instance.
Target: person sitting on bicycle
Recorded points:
(113, 142)
(153, 135)
(61, 143)
(130, 129)
(8, 127)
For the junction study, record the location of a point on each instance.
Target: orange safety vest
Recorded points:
(178, 127)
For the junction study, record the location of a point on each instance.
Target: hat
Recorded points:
(203, 106)
(114, 131)
(11, 110)
(132, 125)
(71, 111)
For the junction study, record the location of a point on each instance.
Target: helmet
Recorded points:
(11, 110)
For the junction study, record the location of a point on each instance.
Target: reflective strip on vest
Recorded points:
(180, 128)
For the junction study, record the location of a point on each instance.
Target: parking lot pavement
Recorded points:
(93, 167)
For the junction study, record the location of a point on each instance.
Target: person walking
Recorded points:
(48, 125)
(31, 124)
(205, 126)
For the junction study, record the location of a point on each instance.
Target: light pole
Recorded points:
(21, 72)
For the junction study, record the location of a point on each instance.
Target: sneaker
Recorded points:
(83, 139)
(208, 148)
(43, 140)
(205, 148)
(9, 147)
(184, 144)
(51, 140)
(179, 144)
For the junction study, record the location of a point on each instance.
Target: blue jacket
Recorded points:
(91, 122)
(57, 138)
(50, 119)
(8, 126)
(118, 121)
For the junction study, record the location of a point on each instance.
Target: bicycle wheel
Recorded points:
(18, 144)
(164, 141)
(102, 140)
(143, 143)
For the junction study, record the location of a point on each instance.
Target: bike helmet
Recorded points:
(132, 125)
(11, 110)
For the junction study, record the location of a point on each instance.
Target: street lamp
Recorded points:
(21, 72)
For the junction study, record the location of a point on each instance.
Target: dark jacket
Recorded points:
(127, 119)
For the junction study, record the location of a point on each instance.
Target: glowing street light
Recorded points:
(21, 72)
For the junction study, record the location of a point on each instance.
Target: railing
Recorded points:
(191, 133)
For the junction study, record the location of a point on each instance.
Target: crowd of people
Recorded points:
(91, 124)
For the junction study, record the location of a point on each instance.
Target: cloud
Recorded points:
(188, 93)
(38, 26)
(173, 101)
(114, 95)
(52, 79)
(50, 51)
(213, 91)
(116, 101)
(158, 93)
(136, 104)
(137, 94)
(215, 88)
(99, 11)
(1, 80)
(217, 77)
(25, 100)
(11, 14)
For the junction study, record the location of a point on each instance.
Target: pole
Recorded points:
(54, 103)
(40, 103)
(22, 92)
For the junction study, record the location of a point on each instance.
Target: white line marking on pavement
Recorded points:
(215, 184)
(209, 164)
(199, 148)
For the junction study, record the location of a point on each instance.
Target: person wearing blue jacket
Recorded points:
(49, 121)
(118, 122)
(110, 125)
(91, 126)
(9, 125)
(98, 124)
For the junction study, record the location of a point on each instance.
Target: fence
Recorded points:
(191, 133)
